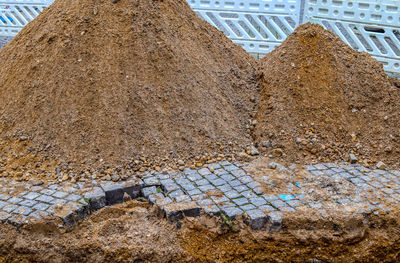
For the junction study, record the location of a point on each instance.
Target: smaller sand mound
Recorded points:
(323, 100)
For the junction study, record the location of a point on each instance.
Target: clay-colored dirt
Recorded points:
(141, 83)
(133, 232)
(321, 100)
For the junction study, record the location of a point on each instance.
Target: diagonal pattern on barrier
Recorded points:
(259, 26)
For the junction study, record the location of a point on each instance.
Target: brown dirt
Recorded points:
(321, 100)
(91, 83)
(133, 232)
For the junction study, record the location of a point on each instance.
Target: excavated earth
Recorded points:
(135, 84)
(322, 100)
(133, 232)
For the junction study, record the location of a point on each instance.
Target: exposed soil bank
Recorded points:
(132, 232)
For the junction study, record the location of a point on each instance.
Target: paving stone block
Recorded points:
(275, 220)
(28, 203)
(278, 204)
(188, 186)
(232, 194)
(194, 192)
(23, 210)
(4, 197)
(60, 194)
(202, 182)
(204, 202)
(182, 198)
(231, 168)
(151, 181)
(267, 208)
(246, 179)
(4, 216)
(249, 194)
(96, 198)
(241, 188)
(199, 197)
(204, 171)
(132, 188)
(238, 173)
(147, 191)
(170, 186)
(14, 200)
(114, 193)
(2, 204)
(227, 177)
(224, 188)
(206, 188)
(156, 198)
(36, 188)
(73, 197)
(257, 201)
(219, 199)
(214, 166)
(211, 177)
(253, 185)
(195, 177)
(248, 207)
(240, 201)
(9, 208)
(47, 191)
(257, 219)
(231, 212)
(287, 209)
(176, 211)
(41, 206)
(234, 183)
(225, 163)
(295, 203)
(212, 210)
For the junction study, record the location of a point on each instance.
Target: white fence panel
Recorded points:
(261, 25)
(370, 26)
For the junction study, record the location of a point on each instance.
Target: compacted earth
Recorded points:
(133, 232)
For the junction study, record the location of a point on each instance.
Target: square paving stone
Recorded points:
(246, 179)
(232, 194)
(241, 188)
(2, 204)
(240, 201)
(247, 207)
(257, 219)
(278, 204)
(4, 216)
(47, 192)
(73, 197)
(235, 183)
(14, 200)
(188, 187)
(267, 208)
(194, 191)
(151, 181)
(58, 201)
(206, 188)
(225, 188)
(214, 166)
(238, 173)
(36, 188)
(198, 197)
(176, 193)
(257, 201)
(212, 210)
(225, 163)
(204, 171)
(295, 203)
(218, 182)
(227, 177)
(275, 219)
(4, 197)
(194, 177)
(28, 203)
(182, 198)
(60, 194)
(219, 199)
(9, 208)
(249, 194)
(231, 168)
(211, 177)
(202, 182)
(156, 198)
(253, 185)
(96, 197)
(231, 212)
(204, 202)
(41, 207)
(23, 210)
(147, 191)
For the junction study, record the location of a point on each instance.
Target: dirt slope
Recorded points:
(321, 100)
(93, 82)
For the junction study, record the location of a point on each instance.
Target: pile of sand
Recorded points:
(94, 83)
(321, 100)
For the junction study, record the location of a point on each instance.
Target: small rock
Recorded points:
(127, 197)
(272, 165)
(254, 151)
(353, 158)
(23, 138)
(381, 165)
(298, 140)
(37, 183)
(107, 177)
(278, 152)
(266, 144)
(115, 177)
(181, 163)
(65, 178)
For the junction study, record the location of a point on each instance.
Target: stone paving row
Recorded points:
(225, 189)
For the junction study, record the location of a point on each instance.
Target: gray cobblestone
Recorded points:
(28, 203)
(60, 194)
(15, 200)
(149, 191)
(231, 212)
(9, 208)
(257, 219)
(23, 210)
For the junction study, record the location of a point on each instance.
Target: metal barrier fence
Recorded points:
(259, 26)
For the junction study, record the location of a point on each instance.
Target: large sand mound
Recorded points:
(92, 82)
(322, 100)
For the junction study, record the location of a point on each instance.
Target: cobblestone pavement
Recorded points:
(226, 189)
(4, 40)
